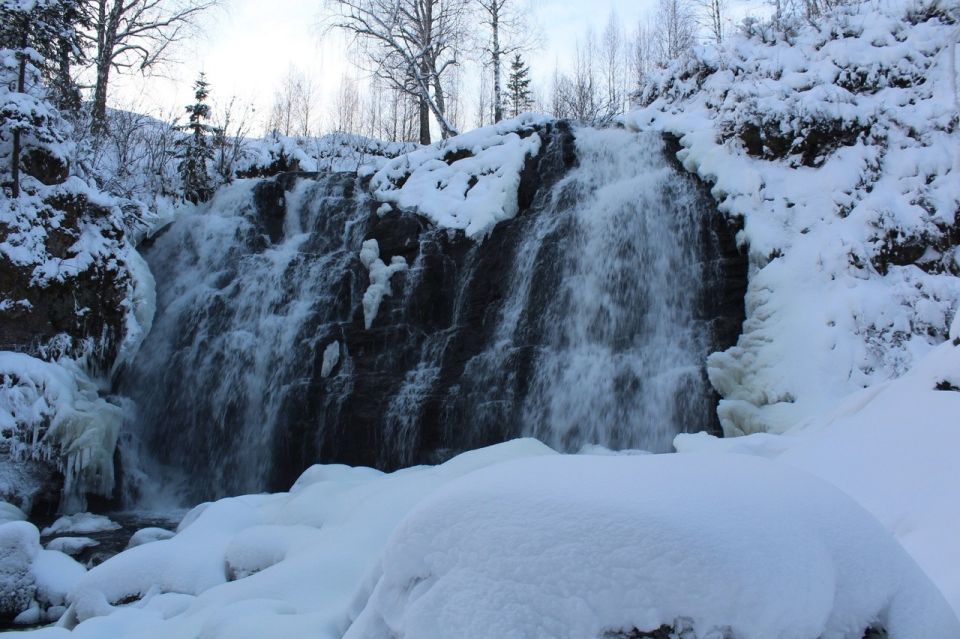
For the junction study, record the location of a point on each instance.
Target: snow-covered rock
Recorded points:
(839, 149)
(149, 535)
(583, 546)
(33, 582)
(468, 182)
(71, 545)
(82, 523)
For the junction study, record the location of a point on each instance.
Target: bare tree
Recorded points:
(641, 56)
(710, 16)
(231, 128)
(612, 54)
(292, 111)
(411, 45)
(136, 35)
(346, 107)
(675, 32)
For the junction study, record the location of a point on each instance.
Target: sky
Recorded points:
(248, 47)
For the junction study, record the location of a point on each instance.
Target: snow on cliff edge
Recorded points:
(838, 147)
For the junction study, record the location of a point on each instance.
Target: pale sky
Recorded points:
(249, 46)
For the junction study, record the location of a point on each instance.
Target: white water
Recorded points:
(260, 359)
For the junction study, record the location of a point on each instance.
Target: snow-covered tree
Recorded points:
(518, 86)
(30, 33)
(196, 150)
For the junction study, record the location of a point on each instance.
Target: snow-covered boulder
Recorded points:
(19, 545)
(33, 582)
(722, 546)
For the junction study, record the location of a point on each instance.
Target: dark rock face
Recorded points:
(45, 166)
(462, 353)
(75, 312)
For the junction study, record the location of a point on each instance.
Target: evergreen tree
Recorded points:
(518, 87)
(196, 151)
(31, 34)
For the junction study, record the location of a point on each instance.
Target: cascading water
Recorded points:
(585, 320)
(613, 323)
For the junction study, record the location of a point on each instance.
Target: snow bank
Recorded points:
(284, 565)
(583, 546)
(891, 447)
(52, 412)
(467, 182)
(839, 150)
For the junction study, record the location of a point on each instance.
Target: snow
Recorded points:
(53, 412)
(379, 287)
(891, 447)
(83, 523)
(467, 182)
(9, 512)
(830, 307)
(71, 545)
(580, 546)
(33, 582)
(149, 535)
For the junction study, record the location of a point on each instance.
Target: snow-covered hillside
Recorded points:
(838, 146)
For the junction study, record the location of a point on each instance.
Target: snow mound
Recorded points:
(891, 447)
(149, 535)
(283, 565)
(82, 523)
(71, 545)
(52, 412)
(467, 182)
(585, 546)
(33, 582)
(837, 146)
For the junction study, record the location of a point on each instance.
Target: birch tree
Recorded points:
(411, 45)
(508, 34)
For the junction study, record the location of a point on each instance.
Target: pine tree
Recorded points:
(31, 34)
(196, 151)
(518, 87)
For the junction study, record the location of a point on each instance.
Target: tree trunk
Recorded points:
(497, 91)
(21, 88)
(424, 121)
(107, 25)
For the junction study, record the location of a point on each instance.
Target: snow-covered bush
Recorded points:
(839, 148)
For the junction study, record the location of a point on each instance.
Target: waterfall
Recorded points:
(587, 319)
